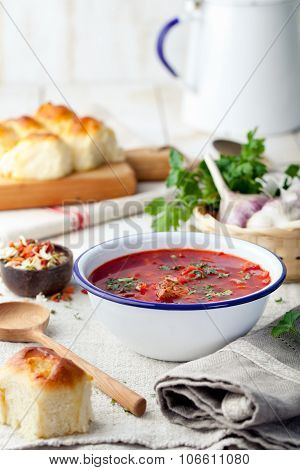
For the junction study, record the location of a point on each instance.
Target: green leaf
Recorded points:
(176, 164)
(287, 324)
(156, 206)
(293, 170)
(240, 172)
(196, 187)
(176, 159)
(279, 300)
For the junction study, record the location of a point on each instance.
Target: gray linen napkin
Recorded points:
(251, 387)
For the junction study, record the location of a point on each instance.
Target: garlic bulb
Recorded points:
(279, 212)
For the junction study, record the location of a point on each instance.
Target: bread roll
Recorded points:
(92, 143)
(37, 156)
(24, 126)
(110, 146)
(43, 395)
(56, 118)
(8, 139)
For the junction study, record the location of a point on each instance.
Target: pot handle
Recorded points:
(160, 44)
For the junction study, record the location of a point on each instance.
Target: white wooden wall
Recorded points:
(80, 43)
(99, 55)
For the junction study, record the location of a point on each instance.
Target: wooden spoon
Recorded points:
(26, 322)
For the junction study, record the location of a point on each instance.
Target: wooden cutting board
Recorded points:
(106, 182)
(149, 163)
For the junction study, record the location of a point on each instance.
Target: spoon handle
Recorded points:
(127, 398)
(218, 179)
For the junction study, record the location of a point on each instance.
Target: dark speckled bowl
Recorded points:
(31, 283)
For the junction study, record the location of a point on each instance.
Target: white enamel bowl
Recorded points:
(174, 332)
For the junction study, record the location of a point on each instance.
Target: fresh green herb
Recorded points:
(287, 324)
(192, 291)
(224, 293)
(165, 267)
(293, 170)
(279, 300)
(223, 274)
(207, 269)
(168, 214)
(246, 277)
(120, 285)
(240, 172)
(198, 274)
(113, 401)
(196, 187)
(210, 292)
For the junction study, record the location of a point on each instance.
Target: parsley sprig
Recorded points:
(287, 324)
(196, 187)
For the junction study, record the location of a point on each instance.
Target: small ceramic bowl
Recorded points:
(177, 332)
(31, 283)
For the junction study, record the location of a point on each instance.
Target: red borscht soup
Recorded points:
(180, 276)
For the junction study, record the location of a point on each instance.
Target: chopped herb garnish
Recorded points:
(223, 274)
(279, 300)
(224, 293)
(120, 285)
(192, 291)
(206, 268)
(246, 277)
(210, 292)
(113, 401)
(166, 267)
(53, 312)
(198, 274)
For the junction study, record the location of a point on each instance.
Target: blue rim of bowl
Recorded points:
(91, 288)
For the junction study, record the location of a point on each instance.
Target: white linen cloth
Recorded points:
(112, 424)
(49, 222)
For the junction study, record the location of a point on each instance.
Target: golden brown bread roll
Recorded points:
(54, 143)
(56, 118)
(8, 138)
(90, 143)
(37, 156)
(43, 395)
(24, 126)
